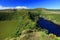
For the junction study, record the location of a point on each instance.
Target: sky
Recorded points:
(50, 4)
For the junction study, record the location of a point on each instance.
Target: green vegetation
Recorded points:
(52, 17)
(14, 24)
(7, 28)
(29, 34)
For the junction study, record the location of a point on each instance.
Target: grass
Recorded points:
(7, 28)
(52, 17)
(35, 35)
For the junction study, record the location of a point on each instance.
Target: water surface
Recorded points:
(50, 26)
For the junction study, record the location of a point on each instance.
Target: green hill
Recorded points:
(13, 22)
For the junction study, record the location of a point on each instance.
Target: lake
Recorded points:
(50, 26)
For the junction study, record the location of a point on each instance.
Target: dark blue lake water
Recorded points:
(50, 26)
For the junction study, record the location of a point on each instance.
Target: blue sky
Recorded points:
(51, 4)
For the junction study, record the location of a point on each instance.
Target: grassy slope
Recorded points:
(7, 28)
(52, 17)
(49, 14)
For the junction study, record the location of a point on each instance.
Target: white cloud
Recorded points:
(20, 7)
(17, 7)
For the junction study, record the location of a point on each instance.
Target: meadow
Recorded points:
(52, 17)
(7, 28)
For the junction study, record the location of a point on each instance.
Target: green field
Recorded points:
(52, 17)
(7, 28)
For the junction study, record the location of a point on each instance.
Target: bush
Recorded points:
(6, 16)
